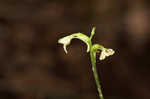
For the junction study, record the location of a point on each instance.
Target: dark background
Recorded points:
(34, 66)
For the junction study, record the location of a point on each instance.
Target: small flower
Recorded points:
(105, 53)
(67, 40)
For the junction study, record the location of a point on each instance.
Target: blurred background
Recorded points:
(34, 66)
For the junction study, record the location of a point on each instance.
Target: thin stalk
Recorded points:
(93, 61)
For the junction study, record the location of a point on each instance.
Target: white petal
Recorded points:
(105, 53)
(65, 49)
(102, 56)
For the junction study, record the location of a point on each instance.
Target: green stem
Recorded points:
(93, 60)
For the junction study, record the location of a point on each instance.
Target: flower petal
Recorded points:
(105, 53)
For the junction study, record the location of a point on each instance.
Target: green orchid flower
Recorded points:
(92, 48)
